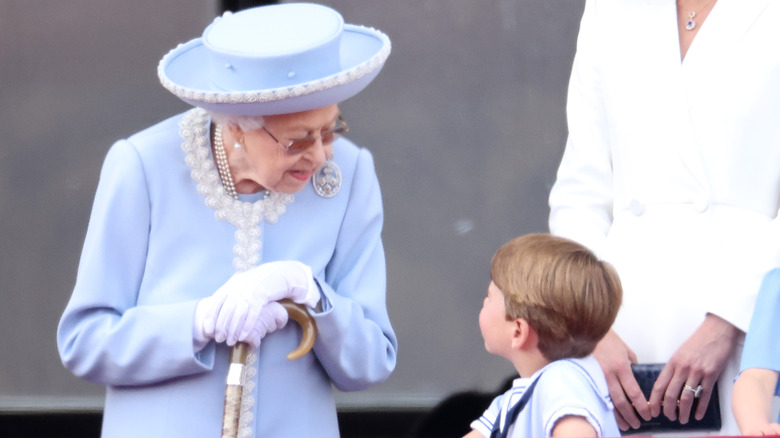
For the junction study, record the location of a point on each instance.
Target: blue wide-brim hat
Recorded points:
(275, 59)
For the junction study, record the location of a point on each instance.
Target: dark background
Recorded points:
(466, 123)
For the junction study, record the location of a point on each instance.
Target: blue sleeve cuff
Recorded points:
(325, 299)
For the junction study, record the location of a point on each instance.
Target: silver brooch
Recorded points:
(327, 180)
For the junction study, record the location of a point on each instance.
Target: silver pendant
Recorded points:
(691, 22)
(327, 180)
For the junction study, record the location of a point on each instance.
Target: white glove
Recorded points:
(203, 328)
(272, 317)
(247, 293)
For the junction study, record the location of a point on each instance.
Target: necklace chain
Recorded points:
(222, 163)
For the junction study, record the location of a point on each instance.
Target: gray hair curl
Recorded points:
(245, 123)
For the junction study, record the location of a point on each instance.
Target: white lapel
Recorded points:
(672, 93)
(706, 64)
(720, 34)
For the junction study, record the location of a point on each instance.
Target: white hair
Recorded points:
(245, 123)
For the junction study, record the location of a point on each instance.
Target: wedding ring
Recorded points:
(696, 391)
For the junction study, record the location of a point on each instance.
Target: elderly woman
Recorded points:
(203, 222)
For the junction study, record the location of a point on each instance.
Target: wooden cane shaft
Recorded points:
(233, 396)
(234, 390)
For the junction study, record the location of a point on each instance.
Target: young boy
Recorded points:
(548, 304)
(758, 382)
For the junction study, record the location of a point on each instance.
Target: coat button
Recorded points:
(636, 208)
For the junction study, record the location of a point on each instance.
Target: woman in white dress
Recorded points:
(672, 173)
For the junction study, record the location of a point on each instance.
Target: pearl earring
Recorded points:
(237, 145)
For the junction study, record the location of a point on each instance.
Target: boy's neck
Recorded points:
(528, 362)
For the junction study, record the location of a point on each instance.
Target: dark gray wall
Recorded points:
(466, 123)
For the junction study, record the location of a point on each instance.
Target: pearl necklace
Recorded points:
(245, 216)
(222, 164)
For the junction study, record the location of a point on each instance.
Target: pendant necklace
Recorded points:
(691, 23)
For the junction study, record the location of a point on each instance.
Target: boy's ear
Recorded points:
(523, 336)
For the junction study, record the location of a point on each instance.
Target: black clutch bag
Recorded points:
(646, 375)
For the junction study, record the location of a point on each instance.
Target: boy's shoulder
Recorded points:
(587, 365)
(576, 387)
(579, 376)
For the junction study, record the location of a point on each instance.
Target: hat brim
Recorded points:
(184, 72)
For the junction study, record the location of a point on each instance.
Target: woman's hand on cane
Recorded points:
(246, 307)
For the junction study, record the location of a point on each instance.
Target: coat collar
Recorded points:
(721, 33)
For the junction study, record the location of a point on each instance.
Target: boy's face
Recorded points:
(496, 330)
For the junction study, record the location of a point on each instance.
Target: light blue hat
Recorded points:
(275, 59)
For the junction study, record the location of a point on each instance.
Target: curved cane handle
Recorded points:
(299, 313)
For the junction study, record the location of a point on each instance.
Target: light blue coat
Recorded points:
(762, 349)
(153, 248)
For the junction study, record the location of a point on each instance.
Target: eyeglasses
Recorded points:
(299, 145)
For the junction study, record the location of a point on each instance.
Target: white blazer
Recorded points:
(672, 169)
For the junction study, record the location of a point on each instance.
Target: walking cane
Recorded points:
(234, 390)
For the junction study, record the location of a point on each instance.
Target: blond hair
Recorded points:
(568, 295)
